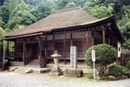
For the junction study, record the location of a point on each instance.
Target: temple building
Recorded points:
(59, 31)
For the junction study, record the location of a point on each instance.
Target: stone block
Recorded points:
(12, 68)
(73, 73)
(44, 70)
(28, 71)
(56, 72)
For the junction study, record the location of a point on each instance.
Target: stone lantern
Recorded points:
(56, 69)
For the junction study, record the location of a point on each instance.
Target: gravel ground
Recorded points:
(11, 79)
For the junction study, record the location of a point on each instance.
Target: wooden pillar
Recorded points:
(109, 40)
(87, 39)
(44, 59)
(103, 36)
(90, 39)
(71, 39)
(7, 49)
(64, 48)
(45, 46)
(4, 52)
(23, 52)
(54, 41)
(40, 51)
(15, 50)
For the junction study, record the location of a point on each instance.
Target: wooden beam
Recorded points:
(103, 36)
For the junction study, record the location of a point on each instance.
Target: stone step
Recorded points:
(68, 65)
(34, 62)
(85, 68)
(23, 69)
(15, 63)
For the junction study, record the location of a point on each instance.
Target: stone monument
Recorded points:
(73, 57)
(73, 71)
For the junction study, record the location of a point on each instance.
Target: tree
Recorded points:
(99, 11)
(79, 2)
(71, 4)
(2, 33)
(20, 15)
(43, 10)
(62, 3)
(1, 22)
(1, 2)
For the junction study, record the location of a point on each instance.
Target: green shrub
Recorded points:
(105, 54)
(115, 70)
(89, 76)
(128, 65)
(103, 77)
(126, 70)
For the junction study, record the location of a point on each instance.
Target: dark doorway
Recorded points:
(32, 51)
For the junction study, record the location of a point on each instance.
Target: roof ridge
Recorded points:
(67, 9)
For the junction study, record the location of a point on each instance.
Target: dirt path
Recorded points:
(10, 79)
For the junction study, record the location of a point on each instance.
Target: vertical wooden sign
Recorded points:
(119, 49)
(93, 60)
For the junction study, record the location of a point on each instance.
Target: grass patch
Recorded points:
(89, 77)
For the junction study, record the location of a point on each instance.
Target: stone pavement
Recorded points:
(11, 79)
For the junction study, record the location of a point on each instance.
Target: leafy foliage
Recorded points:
(98, 11)
(2, 32)
(42, 10)
(21, 15)
(105, 54)
(128, 65)
(126, 45)
(116, 70)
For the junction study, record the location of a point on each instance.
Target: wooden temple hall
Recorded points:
(59, 31)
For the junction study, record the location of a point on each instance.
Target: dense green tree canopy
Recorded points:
(15, 14)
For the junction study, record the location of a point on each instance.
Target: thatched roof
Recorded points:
(60, 19)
